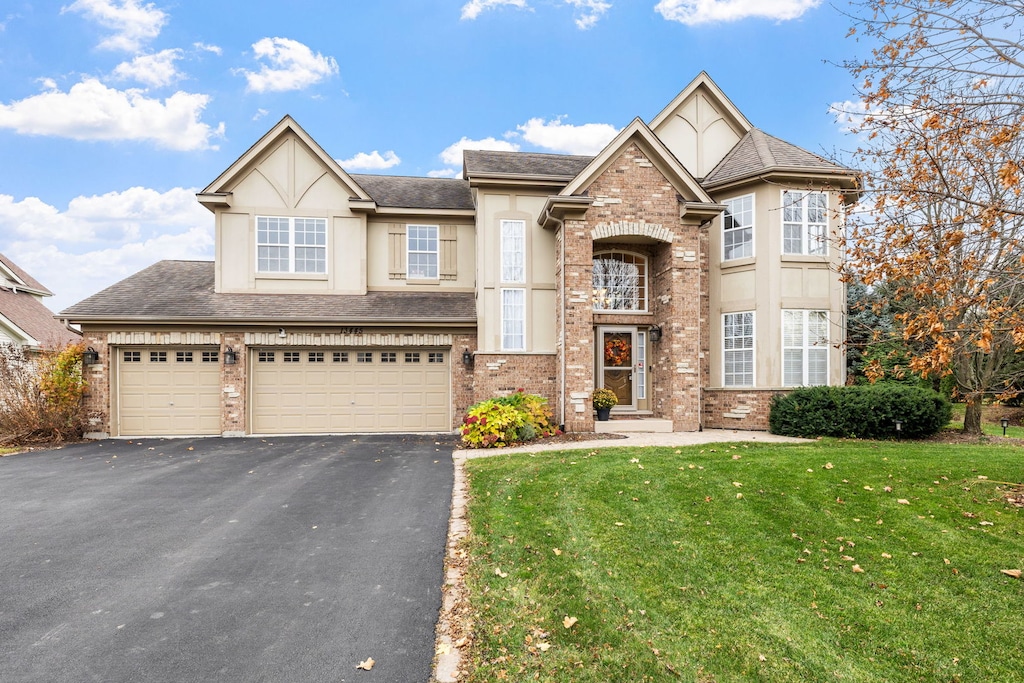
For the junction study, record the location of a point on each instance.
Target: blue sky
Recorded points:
(113, 113)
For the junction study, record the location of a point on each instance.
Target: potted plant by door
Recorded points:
(604, 400)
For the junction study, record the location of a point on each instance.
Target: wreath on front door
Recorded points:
(616, 351)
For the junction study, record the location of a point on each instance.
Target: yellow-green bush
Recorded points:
(509, 419)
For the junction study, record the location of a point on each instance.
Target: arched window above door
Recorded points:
(620, 281)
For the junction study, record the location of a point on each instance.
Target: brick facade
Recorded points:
(738, 408)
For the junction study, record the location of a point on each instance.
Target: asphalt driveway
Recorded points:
(284, 559)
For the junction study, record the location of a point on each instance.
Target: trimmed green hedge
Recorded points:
(861, 412)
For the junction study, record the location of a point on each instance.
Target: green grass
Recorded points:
(673, 577)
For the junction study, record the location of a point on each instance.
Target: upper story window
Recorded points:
(804, 223)
(620, 282)
(738, 228)
(291, 245)
(421, 253)
(513, 251)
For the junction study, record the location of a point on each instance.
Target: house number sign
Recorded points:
(351, 330)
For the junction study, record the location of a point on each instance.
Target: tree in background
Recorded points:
(942, 143)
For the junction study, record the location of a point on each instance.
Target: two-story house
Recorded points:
(690, 267)
(25, 321)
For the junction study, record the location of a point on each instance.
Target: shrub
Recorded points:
(864, 412)
(508, 419)
(41, 396)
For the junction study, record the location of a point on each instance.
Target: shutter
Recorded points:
(396, 251)
(448, 247)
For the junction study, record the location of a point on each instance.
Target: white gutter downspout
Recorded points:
(561, 399)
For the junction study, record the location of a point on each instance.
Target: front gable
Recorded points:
(285, 169)
(700, 125)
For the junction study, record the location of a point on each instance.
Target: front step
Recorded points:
(645, 424)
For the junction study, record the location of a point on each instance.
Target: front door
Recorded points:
(622, 364)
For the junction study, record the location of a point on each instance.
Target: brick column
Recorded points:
(578, 342)
(97, 398)
(233, 389)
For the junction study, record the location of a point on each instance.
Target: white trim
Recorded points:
(753, 349)
(501, 303)
(436, 251)
(805, 234)
(291, 245)
(752, 226)
(805, 346)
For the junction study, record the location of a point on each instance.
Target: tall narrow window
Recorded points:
(291, 245)
(513, 319)
(738, 349)
(738, 228)
(620, 282)
(513, 251)
(804, 348)
(804, 223)
(421, 252)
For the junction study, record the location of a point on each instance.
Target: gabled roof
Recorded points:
(758, 153)
(531, 164)
(283, 127)
(418, 193)
(10, 273)
(24, 314)
(703, 81)
(182, 291)
(638, 132)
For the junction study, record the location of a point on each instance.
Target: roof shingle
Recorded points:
(757, 153)
(479, 162)
(183, 290)
(416, 193)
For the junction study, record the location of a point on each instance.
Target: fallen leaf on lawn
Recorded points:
(634, 460)
(868, 488)
(857, 570)
(737, 456)
(739, 495)
(982, 476)
(986, 523)
(543, 647)
(828, 466)
(1015, 573)
(762, 658)
(887, 556)
(809, 469)
(569, 622)
(498, 572)
(619, 524)
(366, 664)
(556, 551)
(737, 484)
(903, 501)
(846, 558)
(888, 489)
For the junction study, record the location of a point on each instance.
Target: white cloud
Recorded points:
(591, 12)
(444, 173)
(373, 161)
(92, 111)
(260, 113)
(292, 66)
(473, 8)
(693, 12)
(101, 239)
(133, 24)
(452, 154)
(156, 70)
(589, 138)
(203, 47)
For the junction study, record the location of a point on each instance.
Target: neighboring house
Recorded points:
(24, 320)
(690, 267)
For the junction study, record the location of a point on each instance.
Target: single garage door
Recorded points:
(168, 391)
(312, 391)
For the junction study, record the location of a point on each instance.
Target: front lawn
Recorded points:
(832, 561)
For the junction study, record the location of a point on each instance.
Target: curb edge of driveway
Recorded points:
(448, 659)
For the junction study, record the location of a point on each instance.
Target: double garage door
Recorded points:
(177, 391)
(349, 390)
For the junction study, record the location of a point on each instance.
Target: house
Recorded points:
(25, 321)
(690, 266)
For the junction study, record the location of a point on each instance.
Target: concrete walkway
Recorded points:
(634, 439)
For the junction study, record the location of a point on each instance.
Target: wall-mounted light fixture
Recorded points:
(230, 356)
(654, 333)
(90, 356)
(281, 333)
(467, 357)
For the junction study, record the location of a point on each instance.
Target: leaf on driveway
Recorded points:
(569, 622)
(366, 664)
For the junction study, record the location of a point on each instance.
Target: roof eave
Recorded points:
(477, 180)
(849, 177)
(557, 207)
(275, 320)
